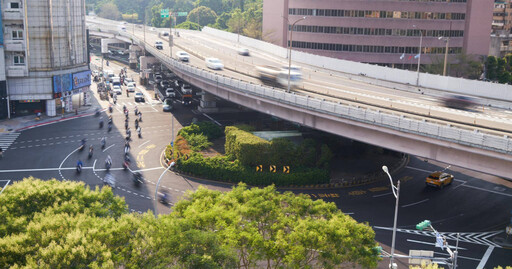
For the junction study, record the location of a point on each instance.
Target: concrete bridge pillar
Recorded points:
(208, 103)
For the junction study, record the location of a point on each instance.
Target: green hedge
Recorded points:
(245, 151)
(222, 169)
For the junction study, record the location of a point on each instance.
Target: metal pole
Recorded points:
(456, 252)
(394, 226)
(170, 35)
(155, 204)
(419, 60)
(446, 55)
(290, 51)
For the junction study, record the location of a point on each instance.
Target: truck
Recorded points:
(186, 94)
(278, 76)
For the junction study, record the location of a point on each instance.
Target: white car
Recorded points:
(164, 33)
(243, 51)
(127, 81)
(130, 87)
(117, 90)
(182, 56)
(159, 45)
(170, 93)
(214, 63)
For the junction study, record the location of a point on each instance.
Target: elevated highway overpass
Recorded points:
(396, 119)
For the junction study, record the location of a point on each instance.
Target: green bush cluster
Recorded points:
(223, 169)
(251, 150)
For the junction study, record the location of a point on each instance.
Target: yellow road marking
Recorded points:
(140, 155)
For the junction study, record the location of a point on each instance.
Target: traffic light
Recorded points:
(423, 225)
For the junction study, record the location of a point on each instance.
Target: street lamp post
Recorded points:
(419, 58)
(396, 193)
(290, 49)
(447, 40)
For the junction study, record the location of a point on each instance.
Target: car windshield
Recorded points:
(139, 93)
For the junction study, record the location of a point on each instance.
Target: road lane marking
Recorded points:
(482, 189)
(432, 244)
(148, 169)
(109, 147)
(415, 203)
(144, 143)
(379, 195)
(60, 166)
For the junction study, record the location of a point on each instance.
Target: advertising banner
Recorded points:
(81, 79)
(62, 83)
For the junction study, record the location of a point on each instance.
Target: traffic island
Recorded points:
(255, 161)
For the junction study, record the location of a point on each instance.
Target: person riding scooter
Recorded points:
(90, 151)
(79, 166)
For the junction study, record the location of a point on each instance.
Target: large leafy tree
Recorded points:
(284, 230)
(215, 5)
(51, 224)
(202, 15)
(109, 11)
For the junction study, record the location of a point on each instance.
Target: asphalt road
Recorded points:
(477, 209)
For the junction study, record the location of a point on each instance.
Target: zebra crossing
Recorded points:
(7, 139)
(481, 238)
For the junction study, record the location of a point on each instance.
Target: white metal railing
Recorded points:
(398, 122)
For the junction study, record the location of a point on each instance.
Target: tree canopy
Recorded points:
(216, 12)
(52, 224)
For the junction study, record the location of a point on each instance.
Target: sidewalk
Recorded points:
(26, 122)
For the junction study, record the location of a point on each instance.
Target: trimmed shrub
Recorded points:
(198, 142)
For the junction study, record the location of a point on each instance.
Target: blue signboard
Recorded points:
(62, 83)
(81, 79)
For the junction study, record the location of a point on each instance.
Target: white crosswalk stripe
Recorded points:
(482, 238)
(6, 140)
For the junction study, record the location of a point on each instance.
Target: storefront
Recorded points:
(71, 91)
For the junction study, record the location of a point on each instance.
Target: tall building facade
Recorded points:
(384, 32)
(502, 16)
(46, 59)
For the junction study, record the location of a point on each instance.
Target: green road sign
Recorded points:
(180, 14)
(164, 13)
(423, 225)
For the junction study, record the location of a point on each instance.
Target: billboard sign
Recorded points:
(81, 79)
(62, 83)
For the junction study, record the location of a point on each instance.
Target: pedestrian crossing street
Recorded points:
(7, 139)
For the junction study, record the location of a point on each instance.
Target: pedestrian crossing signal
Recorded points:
(259, 168)
(286, 169)
(272, 168)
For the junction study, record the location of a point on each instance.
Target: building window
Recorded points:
(19, 60)
(17, 34)
(14, 5)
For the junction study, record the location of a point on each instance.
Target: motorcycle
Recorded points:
(90, 153)
(136, 111)
(110, 109)
(126, 163)
(101, 124)
(108, 164)
(79, 168)
(140, 117)
(137, 179)
(139, 132)
(103, 143)
(164, 198)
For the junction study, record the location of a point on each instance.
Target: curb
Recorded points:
(55, 121)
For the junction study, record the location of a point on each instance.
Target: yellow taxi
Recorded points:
(439, 179)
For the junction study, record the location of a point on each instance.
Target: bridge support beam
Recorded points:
(208, 103)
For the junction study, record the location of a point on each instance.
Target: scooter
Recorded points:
(110, 109)
(164, 198)
(126, 163)
(137, 179)
(109, 128)
(101, 124)
(79, 168)
(90, 153)
(103, 143)
(108, 164)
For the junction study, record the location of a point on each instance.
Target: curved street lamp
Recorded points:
(290, 49)
(396, 193)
